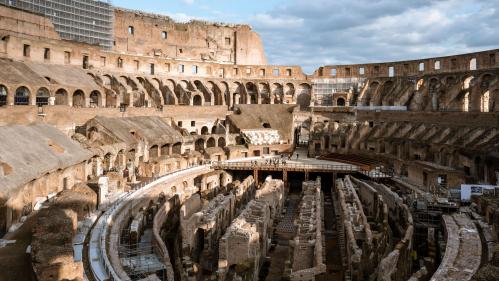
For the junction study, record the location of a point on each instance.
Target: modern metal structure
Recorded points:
(86, 21)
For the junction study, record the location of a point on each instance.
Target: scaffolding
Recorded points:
(138, 258)
(323, 89)
(86, 21)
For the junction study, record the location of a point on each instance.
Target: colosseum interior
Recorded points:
(140, 148)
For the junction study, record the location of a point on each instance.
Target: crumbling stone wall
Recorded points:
(245, 243)
(52, 248)
(308, 259)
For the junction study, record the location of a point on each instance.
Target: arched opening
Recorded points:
(61, 97)
(340, 102)
(252, 92)
(120, 159)
(199, 145)
(278, 93)
(22, 96)
(303, 97)
(466, 102)
(78, 99)
(165, 149)
(264, 92)
(197, 101)
(95, 99)
(3, 95)
(93, 134)
(266, 125)
(106, 163)
(42, 97)
(153, 152)
(177, 148)
(131, 155)
(485, 102)
(211, 142)
(214, 130)
(204, 130)
(326, 142)
(240, 140)
(221, 142)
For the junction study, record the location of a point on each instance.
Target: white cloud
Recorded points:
(188, 2)
(266, 21)
(315, 33)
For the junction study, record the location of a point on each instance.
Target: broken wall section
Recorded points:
(245, 244)
(308, 245)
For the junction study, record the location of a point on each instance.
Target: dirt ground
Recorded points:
(15, 264)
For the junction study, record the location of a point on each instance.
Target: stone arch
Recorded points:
(199, 144)
(340, 102)
(264, 92)
(107, 80)
(240, 140)
(218, 96)
(369, 95)
(239, 96)
(61, 97)
(120, 159)
(4, 93)
(95, 99)
(289, 89)
(177, 148)
(278, 93)
(486, 104)
(381, 98)
(225, 91)
(304, 96)
(205, 130)
(22, 96)
(165, 149)
(155, 151)
(467, 81)
(42, 96)
(205, 92)
(78, 98)
(221, 142)
(168, 91)
(211, 142)
(197, 100)
(106, 162)
(112, 99)
(252, 91)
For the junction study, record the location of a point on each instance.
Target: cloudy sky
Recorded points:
(311, 33)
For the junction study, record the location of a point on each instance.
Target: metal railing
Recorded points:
(107, 219)
(285, 166)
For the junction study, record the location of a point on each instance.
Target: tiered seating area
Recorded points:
(365, 162)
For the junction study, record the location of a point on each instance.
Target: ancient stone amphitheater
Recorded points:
(133, 147)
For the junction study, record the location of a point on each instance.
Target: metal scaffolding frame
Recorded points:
(86, 21)
(138, 257)
(323, 89)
